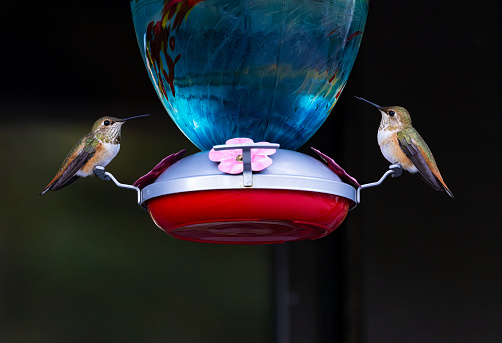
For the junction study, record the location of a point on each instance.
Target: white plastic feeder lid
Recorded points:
(290, 170)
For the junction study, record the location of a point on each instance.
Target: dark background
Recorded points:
(408, 265)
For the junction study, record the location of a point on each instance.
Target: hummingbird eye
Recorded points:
(106, 122)
(392, 113)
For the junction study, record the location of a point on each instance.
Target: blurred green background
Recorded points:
(408, 265)
(87, 263)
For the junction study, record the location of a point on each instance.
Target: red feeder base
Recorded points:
(248, 216)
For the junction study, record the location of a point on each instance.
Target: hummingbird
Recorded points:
(97, 148)
(401, 143)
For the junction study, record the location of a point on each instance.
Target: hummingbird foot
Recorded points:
(397, 169)
(101, 173)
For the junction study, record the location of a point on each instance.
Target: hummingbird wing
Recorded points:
(76, 159)
(419, 153)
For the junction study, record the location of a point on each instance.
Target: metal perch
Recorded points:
(395, 170)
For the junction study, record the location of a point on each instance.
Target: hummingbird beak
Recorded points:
(369, 102)
(143, 115)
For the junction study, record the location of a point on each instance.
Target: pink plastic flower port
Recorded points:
(232, 160)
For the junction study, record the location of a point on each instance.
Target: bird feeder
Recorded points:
(269, 71)
(193, 200)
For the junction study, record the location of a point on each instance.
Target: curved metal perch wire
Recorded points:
(395, 170)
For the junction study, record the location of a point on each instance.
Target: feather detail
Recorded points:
(415, 148)
(76, 159)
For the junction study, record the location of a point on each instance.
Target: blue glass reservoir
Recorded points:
(269, 70)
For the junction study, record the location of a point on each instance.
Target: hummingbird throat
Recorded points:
(388, 124)
(110, 135)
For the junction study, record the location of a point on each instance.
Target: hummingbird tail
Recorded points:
(447, 190)
(54, 186)
(436, 183)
